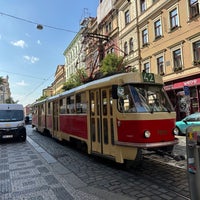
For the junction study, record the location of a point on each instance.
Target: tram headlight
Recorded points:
(176, 131)
(147, 134)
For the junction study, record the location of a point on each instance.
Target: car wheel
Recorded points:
(178, 131)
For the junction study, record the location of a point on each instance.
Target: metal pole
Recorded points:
(193, 160)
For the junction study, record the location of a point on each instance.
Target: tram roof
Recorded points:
(110, 80)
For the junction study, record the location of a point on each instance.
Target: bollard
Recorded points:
(193, 160)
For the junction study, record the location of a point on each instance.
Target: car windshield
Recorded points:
(192, 117)
(143, 98)
(11, 115)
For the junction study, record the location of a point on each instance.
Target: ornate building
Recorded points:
(74, 55)
(155, 36)
(5, 94)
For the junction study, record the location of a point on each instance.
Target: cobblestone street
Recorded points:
(42, 169)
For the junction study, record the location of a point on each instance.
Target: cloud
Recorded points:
(38, 42)
(22, 83)
(31, 59)
(19, 43)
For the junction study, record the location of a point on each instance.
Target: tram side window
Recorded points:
(62, 105)
(43, 109)
(81, 104)
(92, 104)
(49, 108)
(70, 105)
(111, 100)
(104, 101)
(125, 101)
(34, 110)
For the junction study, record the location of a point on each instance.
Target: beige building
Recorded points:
(56, 86)
(169, 33)
(5, 94)
(156, 36)
(59, 80)
(163, 37)
(129, 31)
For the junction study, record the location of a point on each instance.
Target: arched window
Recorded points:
(131, 45)
(125, 48)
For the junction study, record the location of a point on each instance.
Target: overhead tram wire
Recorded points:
(38, 24)
(38, 86)
(26, 75)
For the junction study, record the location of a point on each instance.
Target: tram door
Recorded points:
(55, 118)
(101, 121)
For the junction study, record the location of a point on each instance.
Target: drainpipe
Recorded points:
(138, 36)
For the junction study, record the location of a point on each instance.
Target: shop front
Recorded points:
(184, 95)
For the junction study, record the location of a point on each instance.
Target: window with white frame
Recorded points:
(142, 5)
(193, 8)
(108, 27)
(147, 67)
(196, 52)
(173, 16)
(144, 37)
(126, 48)
(177, 59)
(160, 64)
(127, 17)
(131, 45)
(157, 28)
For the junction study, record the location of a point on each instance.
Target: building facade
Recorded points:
(170, 46)
(59, 80)
(5, 94)
(74, 55)
(155, 36)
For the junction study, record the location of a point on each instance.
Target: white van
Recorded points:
(12, 121)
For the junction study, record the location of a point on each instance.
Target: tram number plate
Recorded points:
(148, 77)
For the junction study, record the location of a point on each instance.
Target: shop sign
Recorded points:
(182, 84)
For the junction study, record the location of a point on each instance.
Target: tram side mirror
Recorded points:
(117, 91)
(114, 91)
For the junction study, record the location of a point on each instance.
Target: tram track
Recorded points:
(164, 177)
(154, 177)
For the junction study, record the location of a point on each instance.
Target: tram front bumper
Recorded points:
(148, 145)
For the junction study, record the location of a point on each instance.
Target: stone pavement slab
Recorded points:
(28, 172)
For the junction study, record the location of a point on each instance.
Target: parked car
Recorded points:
(181, 126)
(28, 119)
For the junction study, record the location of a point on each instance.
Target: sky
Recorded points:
(30, 56)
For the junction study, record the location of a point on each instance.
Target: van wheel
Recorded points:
(23, 137)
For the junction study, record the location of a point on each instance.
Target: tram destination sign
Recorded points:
(148, 77)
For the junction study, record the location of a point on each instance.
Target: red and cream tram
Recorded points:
(115, 117)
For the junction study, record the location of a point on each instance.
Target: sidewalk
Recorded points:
(28, 172)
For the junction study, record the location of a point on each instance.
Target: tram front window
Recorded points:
(143, 98)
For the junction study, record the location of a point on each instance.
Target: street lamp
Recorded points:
(39, 26)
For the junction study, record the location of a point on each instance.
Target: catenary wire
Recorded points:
(32, 22)
(20, 74)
